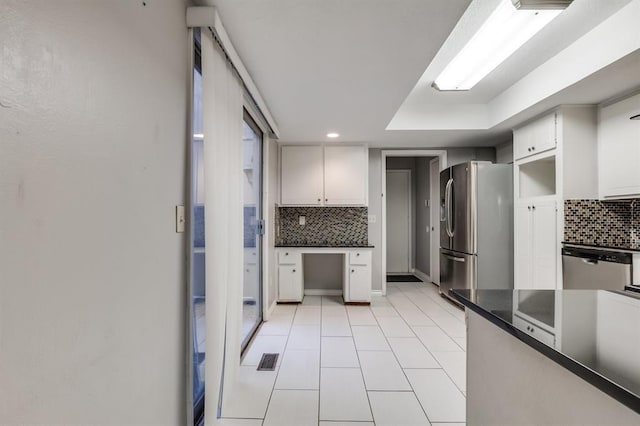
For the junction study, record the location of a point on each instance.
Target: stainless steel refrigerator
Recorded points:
(476, 226)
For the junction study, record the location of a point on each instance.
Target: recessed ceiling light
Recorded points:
(332, 135)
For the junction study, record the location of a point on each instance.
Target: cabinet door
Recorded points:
(359, 283)
(522, 142)
(545, 245)
(523, 244)
(301, 174)
(289, 283)
(345, 175)
(619, 149)
(537, 136)
(544, 134)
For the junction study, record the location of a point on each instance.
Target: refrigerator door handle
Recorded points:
(455, 259)
(448, 200)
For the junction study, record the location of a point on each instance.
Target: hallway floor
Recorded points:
(400, 361)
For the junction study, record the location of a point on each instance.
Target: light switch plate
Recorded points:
(180, 219)
(302, 220)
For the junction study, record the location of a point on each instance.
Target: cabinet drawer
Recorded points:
(534, 331)
(288, 257)
(360, 257)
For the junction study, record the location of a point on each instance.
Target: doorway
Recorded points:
(423, 240)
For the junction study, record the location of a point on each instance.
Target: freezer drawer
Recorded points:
(457, 271)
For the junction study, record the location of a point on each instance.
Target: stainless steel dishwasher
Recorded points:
(588, 268)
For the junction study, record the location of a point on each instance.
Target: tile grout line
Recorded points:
(278, 372)
(431, 352)
(434, 321)
(398, 361)
(364, 384)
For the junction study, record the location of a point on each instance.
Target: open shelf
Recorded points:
(538, 178)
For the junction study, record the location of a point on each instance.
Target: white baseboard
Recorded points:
(320, 292)
(424, 277)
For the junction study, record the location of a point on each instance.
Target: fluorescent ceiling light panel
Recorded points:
(502, 34)
(332, 135)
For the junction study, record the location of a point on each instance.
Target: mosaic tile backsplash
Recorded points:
(610, 224)
(325, 226)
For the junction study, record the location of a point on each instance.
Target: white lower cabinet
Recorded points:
(359, 286)
(290, 286)
(290, 282)
(535, 244)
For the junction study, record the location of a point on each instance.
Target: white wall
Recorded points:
(92, 164)
(504, 153)
(272, 186)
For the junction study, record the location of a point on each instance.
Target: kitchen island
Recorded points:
(569, 357)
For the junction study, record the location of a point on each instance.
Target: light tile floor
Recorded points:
(400, 361)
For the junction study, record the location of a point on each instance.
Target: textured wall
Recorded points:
(333, 226)
(611, 223)
(92, 164)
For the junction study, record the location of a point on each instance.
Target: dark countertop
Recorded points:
(321, 246)
(597, 332)
(623, 248)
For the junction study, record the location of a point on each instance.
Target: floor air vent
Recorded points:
(268, 362)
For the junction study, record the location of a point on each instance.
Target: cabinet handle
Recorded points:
(353, 270)
(529, 149)
(319, 199)
(533, 207)
(326, 200)
(293, 270)
(357, 254)
(533, 148)
(528, 207)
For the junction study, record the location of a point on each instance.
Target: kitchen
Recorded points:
(322, 110)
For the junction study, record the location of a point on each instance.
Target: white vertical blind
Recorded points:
(222, 105)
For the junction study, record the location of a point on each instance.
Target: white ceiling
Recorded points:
(353, 66)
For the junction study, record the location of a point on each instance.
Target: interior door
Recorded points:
(398, 220)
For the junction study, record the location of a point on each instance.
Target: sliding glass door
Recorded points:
(253, 226)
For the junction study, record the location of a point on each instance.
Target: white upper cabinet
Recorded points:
(316, 175)
(344, 169)
(619, 150)
(535, 137)
(302, 175)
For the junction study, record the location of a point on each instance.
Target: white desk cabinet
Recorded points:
(356, 274)
(619, 150)
(318, 175)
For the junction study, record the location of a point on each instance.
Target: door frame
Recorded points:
(410, 263)
(247, 117)
(434, 217)
(440, 153)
